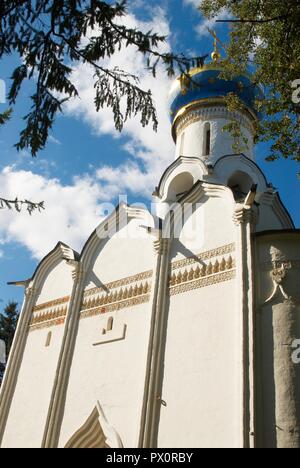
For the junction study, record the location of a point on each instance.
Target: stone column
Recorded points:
(245, 219)
(153, 380)
(278, 292)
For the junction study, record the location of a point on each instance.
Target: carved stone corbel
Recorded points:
(30, 292)
(161, 246)
(77, 269)
(244, 214)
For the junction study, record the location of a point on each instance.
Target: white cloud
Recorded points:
(149, 152)
(73, 211)
(205, 24)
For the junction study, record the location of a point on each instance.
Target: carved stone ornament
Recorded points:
(278, 276)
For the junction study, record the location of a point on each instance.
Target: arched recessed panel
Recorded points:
(90, 435)
(181, 184)
(240, 183)
(229, 166)
(194, 167)
(95, 433)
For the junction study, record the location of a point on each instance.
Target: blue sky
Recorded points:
(86, 162)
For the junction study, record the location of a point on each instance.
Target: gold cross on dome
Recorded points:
(216, 55)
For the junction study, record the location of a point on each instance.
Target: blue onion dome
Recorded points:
(205, 86)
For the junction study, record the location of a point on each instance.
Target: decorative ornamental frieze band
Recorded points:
(135, 290)
(118, 296)
(115, 306)
(203, 282)
(51, 323)
(119, 283)
(92, 306)
(48, 319)
(48, 305)
(220, 251)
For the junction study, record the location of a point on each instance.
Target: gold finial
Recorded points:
(216, 55)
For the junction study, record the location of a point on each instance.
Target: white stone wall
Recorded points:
(201, 395)
(32, 394)
(57, 283)
(110, 373)
(200, 385)
(110, 368)
(30, 403)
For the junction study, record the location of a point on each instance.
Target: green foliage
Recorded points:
(5, 116)
(267, 34)
(50, 35)
(8, 323)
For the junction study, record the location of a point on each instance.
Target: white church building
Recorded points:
(173, 330)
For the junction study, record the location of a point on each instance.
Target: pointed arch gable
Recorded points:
(121, 216)
(230, 164)
(194, 166)
(60, 252)
(96, 432)
(199, 193)
(53, 277)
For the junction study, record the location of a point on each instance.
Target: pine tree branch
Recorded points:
(181, 61)
(18, 4)
(17, 205)
(47, 34)
(94, 64)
